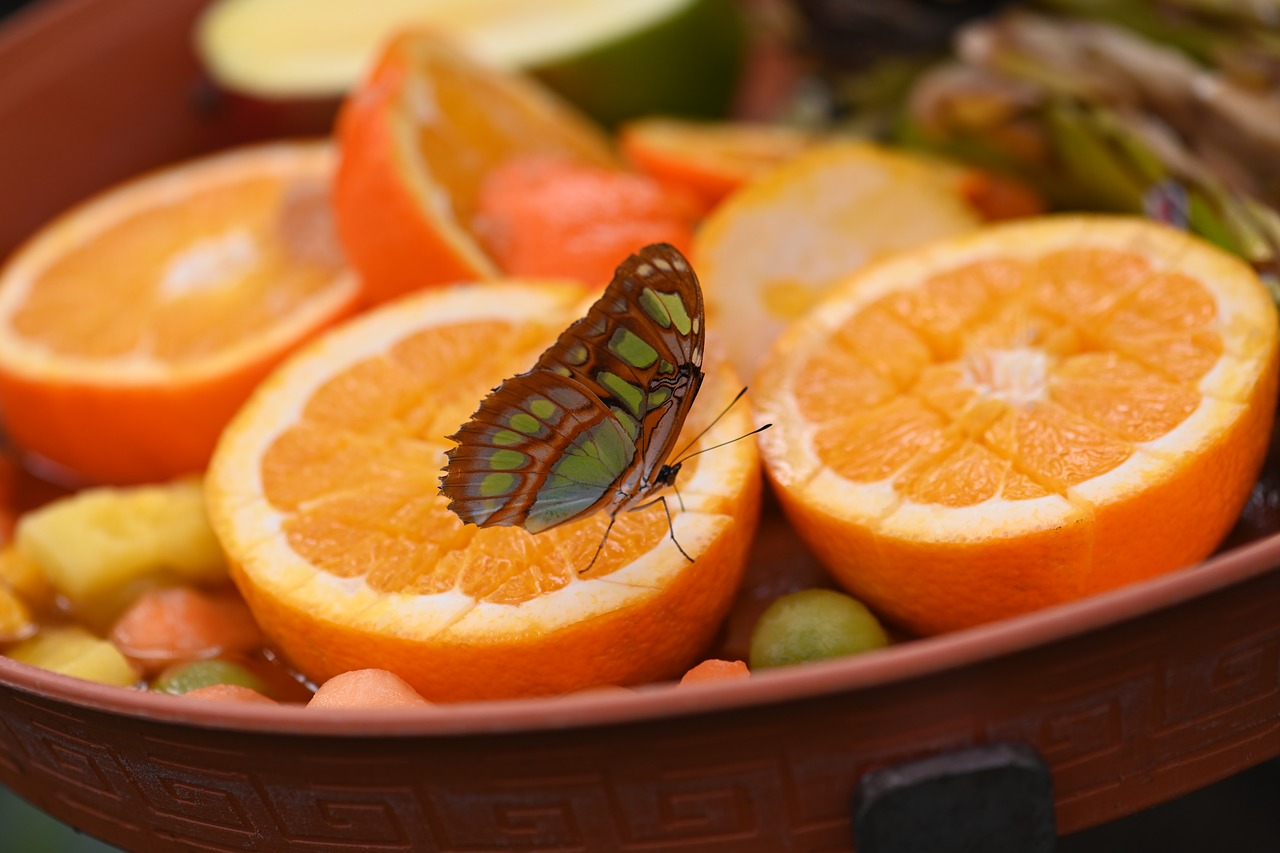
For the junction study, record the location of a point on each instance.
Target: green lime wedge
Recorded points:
(616, 59)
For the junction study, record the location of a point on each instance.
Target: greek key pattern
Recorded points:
(1108, 709)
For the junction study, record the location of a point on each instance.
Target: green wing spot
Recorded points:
(667, 309)
(507, 438)
(562, 370)
(525, 423)
(666, 367)
(498, 483)
(507, 459)
(652, 305)
(629, 424)
(632, 348)
(542, 408)
(631, 395)
(577, 354)
(697, 324)
(659, 396)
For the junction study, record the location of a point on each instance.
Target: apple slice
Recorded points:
(616, 60)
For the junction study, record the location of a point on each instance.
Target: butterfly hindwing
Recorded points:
(538, 451)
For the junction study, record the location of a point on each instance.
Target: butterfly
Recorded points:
(592, 425)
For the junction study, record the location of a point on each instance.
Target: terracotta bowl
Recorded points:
(1130, 698)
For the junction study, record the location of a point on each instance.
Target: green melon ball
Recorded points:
(814, 624)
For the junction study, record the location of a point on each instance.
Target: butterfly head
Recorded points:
(667, 475)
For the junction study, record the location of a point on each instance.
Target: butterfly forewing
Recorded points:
(592, 423)
(640, 348)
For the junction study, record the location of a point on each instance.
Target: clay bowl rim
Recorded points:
(913, 659)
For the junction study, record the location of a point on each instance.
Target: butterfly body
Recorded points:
(592, 425)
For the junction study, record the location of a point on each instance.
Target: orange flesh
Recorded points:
(1010, 378)
(465, 120)
(359, 482)
(197, 276)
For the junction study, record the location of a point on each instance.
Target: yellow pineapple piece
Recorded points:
(16, 621)
(102, 540)
(72, 650)
(24, 576)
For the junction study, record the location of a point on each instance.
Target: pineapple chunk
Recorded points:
(16, 621)
(24, 576)
(101, 540)
(72, 650)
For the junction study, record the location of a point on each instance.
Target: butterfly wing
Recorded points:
(596, 417)
(540, 450)
(639, 349)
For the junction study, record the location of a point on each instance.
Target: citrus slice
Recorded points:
(710, 159)
(417, 140)
(133, 326)
(772, 249)
(617, 59)
(1022, 416)
(324, 494)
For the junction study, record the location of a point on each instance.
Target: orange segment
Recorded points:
(343, 548)
(417, 139)
(1015, 418)
(132, 327)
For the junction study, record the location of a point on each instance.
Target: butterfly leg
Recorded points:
(612, 518)
(671, 526)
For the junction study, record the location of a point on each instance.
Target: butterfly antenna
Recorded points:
(706, 429)
(682, 459)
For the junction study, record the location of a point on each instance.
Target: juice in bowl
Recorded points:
(229, 652)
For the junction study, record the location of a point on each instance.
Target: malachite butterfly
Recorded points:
(592, 425)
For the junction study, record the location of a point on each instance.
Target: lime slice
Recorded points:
(616, 59)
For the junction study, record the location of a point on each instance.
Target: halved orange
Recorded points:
(133, 326)
(1022, 416)
(417, 139)
(324, 493)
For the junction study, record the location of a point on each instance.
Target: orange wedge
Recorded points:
(324, 494)
(710, 159)
(417, 139)
(770, 250)
(132, 327)
(1022, 416)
